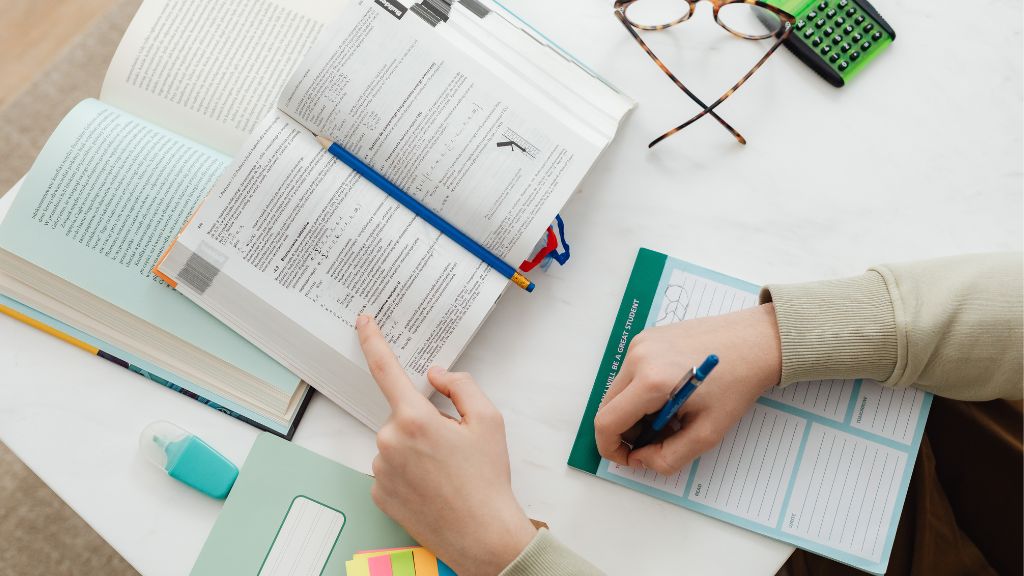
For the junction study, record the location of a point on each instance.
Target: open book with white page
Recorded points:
(456, 105)
(121, 175)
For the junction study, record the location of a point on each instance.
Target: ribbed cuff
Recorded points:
(836, 328)
(546, 556)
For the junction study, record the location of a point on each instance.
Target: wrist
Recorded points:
(496, 545)
(770, 346)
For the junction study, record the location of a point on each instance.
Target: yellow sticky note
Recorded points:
(357, 567)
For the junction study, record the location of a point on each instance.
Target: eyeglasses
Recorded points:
(747, 19)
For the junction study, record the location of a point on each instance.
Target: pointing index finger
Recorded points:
(384, 366)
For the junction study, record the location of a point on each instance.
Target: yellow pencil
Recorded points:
(49, 330)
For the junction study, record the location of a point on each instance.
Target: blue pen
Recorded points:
(688, 384)
(425, 213)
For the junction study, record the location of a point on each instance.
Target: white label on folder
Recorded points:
(305, 541)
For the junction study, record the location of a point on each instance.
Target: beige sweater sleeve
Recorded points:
(546, 556)
(952, 326)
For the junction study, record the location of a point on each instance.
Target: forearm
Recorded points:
(952, 326)
(546, 556)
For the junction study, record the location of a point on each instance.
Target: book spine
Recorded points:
(184, 391)
(151, 377)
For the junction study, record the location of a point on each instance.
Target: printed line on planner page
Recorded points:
(889, 412)
(845, 492)
(674, 484)
(748, 473)
(689, 296)
(828, 398)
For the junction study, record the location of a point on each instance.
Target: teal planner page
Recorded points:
(294, 512)
(822, 465)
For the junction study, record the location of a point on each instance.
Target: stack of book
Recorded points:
(208, 117)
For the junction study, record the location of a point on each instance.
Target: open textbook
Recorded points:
(119, 177)
(460, 108)
(822, 465)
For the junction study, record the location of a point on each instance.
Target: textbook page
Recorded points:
(291, 245)
(821, 465)
(398, 94)
(83, 215)
(211, 70)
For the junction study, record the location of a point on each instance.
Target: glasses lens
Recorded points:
(649, 14)
(749, 20)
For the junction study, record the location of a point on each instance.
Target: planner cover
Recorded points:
(821, 465)
(295, 513)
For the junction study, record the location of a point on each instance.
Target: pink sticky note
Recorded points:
(380, 565)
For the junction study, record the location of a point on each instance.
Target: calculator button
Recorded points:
(865, 46)
(831, 13)
(851, 11)
(839, 21)
(820, 22)
(826, 49)
(877, 36)
(829, 31)
(854, 55)
(869, 27)
(859, 20)
(812, 15)
(809, 32)
(843, 3)
(856, 38)
(844, 65)
(823, 5)
(837, 39)
(800, 24)
(846, 47)
(833, 58)
(848, 29)
(817, 41)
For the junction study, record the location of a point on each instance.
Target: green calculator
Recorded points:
(836, 38)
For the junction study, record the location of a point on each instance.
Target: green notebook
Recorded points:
(297, 513)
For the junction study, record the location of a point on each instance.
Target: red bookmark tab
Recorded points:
(550, 247)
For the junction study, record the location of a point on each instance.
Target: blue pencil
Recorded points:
(425, 213)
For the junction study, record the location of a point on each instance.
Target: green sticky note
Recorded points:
(402, 563)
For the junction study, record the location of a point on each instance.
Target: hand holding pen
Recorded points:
(748, 343)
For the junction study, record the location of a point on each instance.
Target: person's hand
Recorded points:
(748, 346)
(446, 481)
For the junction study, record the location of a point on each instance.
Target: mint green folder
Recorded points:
(294, 512)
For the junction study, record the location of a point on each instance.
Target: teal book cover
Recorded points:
(292, 511)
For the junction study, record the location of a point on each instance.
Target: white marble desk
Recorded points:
(931, 134)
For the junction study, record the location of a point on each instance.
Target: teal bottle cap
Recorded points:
(186, 458)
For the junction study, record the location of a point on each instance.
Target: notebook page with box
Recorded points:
(821, 465)
(294, 512)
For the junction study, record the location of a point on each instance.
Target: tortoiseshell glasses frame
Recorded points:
(786, 25)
